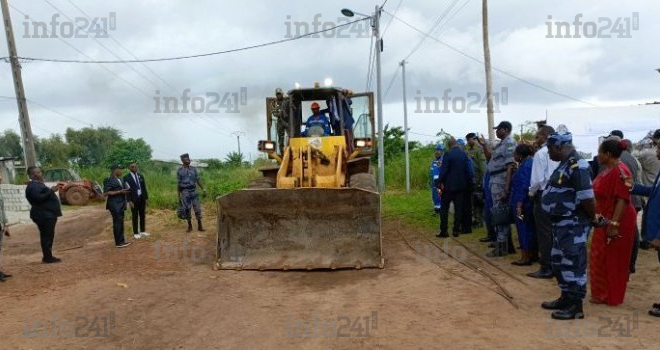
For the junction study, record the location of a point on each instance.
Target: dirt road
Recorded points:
(143, 300)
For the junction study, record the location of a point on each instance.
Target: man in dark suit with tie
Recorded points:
(44, 211)
(137, 199)
(457, 176)
(116, 191)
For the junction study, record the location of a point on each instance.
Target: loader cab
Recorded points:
(300, 101)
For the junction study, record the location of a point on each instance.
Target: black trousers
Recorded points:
(137, 214)
(543, 234)
(46, 235)
(456, 197)
(635, 248)
(466, 222)
(118, 226)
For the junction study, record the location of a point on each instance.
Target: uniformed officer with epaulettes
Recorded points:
(434, 172)
(569, 201)
(280, 114)
(188, 179)
(501, 166)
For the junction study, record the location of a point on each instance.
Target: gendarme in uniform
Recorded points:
(502, 157)
(569, 185)
(187, 179)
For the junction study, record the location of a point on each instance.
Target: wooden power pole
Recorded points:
(23, 116)
(489, 78)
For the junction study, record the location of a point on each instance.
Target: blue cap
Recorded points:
(460, 142)
(560, 138)
(439, 147)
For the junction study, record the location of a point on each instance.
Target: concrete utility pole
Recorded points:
(24, 118)
(405, 125)
(489, 78)
(381, 136)
(238, 139)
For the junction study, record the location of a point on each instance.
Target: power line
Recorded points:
(390, 22)
(189, 56)
(494, 68)
(396, 74)
(437, 23)
(211, 122)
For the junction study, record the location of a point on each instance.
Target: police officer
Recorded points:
(436, 166)
(188, 179)
(569, 201)
(475, 151)
(280, 114)
(501, 167)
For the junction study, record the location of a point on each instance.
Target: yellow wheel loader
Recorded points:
(319, 207)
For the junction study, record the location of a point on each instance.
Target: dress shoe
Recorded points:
(655, 312)
(2, 278)
(491, 245)
(522, 262)
(572, 312)
(541, 274)
(656, 305)
(497, 251)
(51, 260)
(5, 275)
(557, 304)
(486, 240)
(645, 245)
(455, 233)
(443, 235)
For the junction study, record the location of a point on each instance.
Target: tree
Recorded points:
(53, 151)
(10, 144)
(528, 132)
(234, 159)
(394, 142)
(89, 146)
(124, 152)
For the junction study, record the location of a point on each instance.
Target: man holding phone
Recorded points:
(116, 190)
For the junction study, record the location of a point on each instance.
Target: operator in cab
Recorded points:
(317, 124)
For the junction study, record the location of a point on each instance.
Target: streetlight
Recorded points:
(375, 25)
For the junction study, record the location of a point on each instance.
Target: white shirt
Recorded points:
(542, 169)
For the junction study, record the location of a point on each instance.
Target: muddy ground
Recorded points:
(140, 301)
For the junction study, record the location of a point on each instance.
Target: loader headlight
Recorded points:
(362, 143)
(267, 146)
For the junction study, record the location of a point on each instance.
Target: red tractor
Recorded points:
(73, 189)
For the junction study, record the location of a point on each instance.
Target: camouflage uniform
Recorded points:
(569, 184)
(476, 153)
(187, 179)
(501, 157)
(280, 113)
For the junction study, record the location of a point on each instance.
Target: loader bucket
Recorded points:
(304, 228)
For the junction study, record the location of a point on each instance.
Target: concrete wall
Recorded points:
(17, 207)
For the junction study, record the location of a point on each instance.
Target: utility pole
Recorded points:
(381, 137)
(489, 78)
(24, 118)
(238, 139)
(405, 125)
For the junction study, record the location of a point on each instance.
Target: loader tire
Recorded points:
(262, 182)
(77, 196)
(364, 181)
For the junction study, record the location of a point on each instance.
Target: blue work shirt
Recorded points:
(321, 121)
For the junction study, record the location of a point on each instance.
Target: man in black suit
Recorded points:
(457, 176)
(137, 199)
(116, 191)
(44, 211)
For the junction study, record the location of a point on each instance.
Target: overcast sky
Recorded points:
(538, 73)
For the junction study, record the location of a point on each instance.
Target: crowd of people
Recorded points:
(555, 199)
(121, 192)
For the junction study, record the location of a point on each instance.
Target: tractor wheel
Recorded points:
(364, 181)
(262, 182)
(77, 196)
